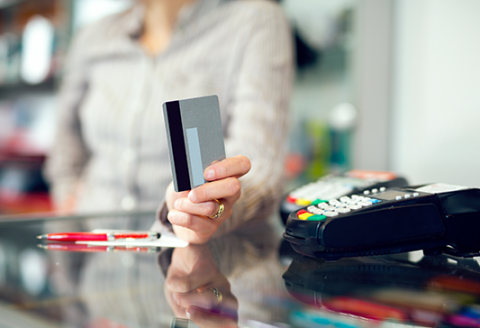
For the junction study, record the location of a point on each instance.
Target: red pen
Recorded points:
(92, 236)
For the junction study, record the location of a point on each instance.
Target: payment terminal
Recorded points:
(437, 218)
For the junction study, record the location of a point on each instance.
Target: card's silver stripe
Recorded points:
(195, 156)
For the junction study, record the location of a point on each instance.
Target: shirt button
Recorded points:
(128, 203)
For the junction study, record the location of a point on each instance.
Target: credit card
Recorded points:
(195, 139)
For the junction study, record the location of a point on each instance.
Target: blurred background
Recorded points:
(380, 85)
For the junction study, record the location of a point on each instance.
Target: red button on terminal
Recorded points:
(291, 199)
(300, 213)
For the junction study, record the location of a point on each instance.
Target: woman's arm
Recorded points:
(69, 154)
(256, 139)
(258, 127)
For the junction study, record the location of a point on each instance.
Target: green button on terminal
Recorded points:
(318, 201)
(316, 217)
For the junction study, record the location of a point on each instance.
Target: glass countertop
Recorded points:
(248, 278)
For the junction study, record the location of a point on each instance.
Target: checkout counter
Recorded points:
(249, 278)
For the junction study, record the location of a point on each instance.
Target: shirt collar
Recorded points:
(195, 10)
(133, 20)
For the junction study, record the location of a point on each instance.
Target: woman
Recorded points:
(111, 148)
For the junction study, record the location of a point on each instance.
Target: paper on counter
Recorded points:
(167, 239)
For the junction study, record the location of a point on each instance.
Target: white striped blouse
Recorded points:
(111, 135)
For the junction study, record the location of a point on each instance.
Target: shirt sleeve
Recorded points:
(68, 155)
(258, 126)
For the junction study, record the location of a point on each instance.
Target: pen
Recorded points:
(91, 236)
(96, 249)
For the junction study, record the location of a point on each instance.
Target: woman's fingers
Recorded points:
(207, 299)
(207, 319)
(208, 208)
(225, 188)
(193, 222)
(171, 195)
(230, 167)
(184, 283)
(196, 214)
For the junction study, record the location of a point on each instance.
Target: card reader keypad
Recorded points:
(320, 210)
(326, 188)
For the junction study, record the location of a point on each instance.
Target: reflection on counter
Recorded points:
(387, 291)
(226, 281)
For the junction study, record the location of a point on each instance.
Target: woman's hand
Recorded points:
(196, 289)
(191, 212)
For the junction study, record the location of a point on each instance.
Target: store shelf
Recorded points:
(8, 90)
(8, 3)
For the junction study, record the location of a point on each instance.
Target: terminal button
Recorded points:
(318, 201)
(330, 214)
(302, 202)
(316, 218)
(305, 216)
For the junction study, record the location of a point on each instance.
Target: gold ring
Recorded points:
(217, 294)
(220, 210)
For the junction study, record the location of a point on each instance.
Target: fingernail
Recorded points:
(175, 297)
(177, 203)
(192, 196)
(189, 312)
(210, 174)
